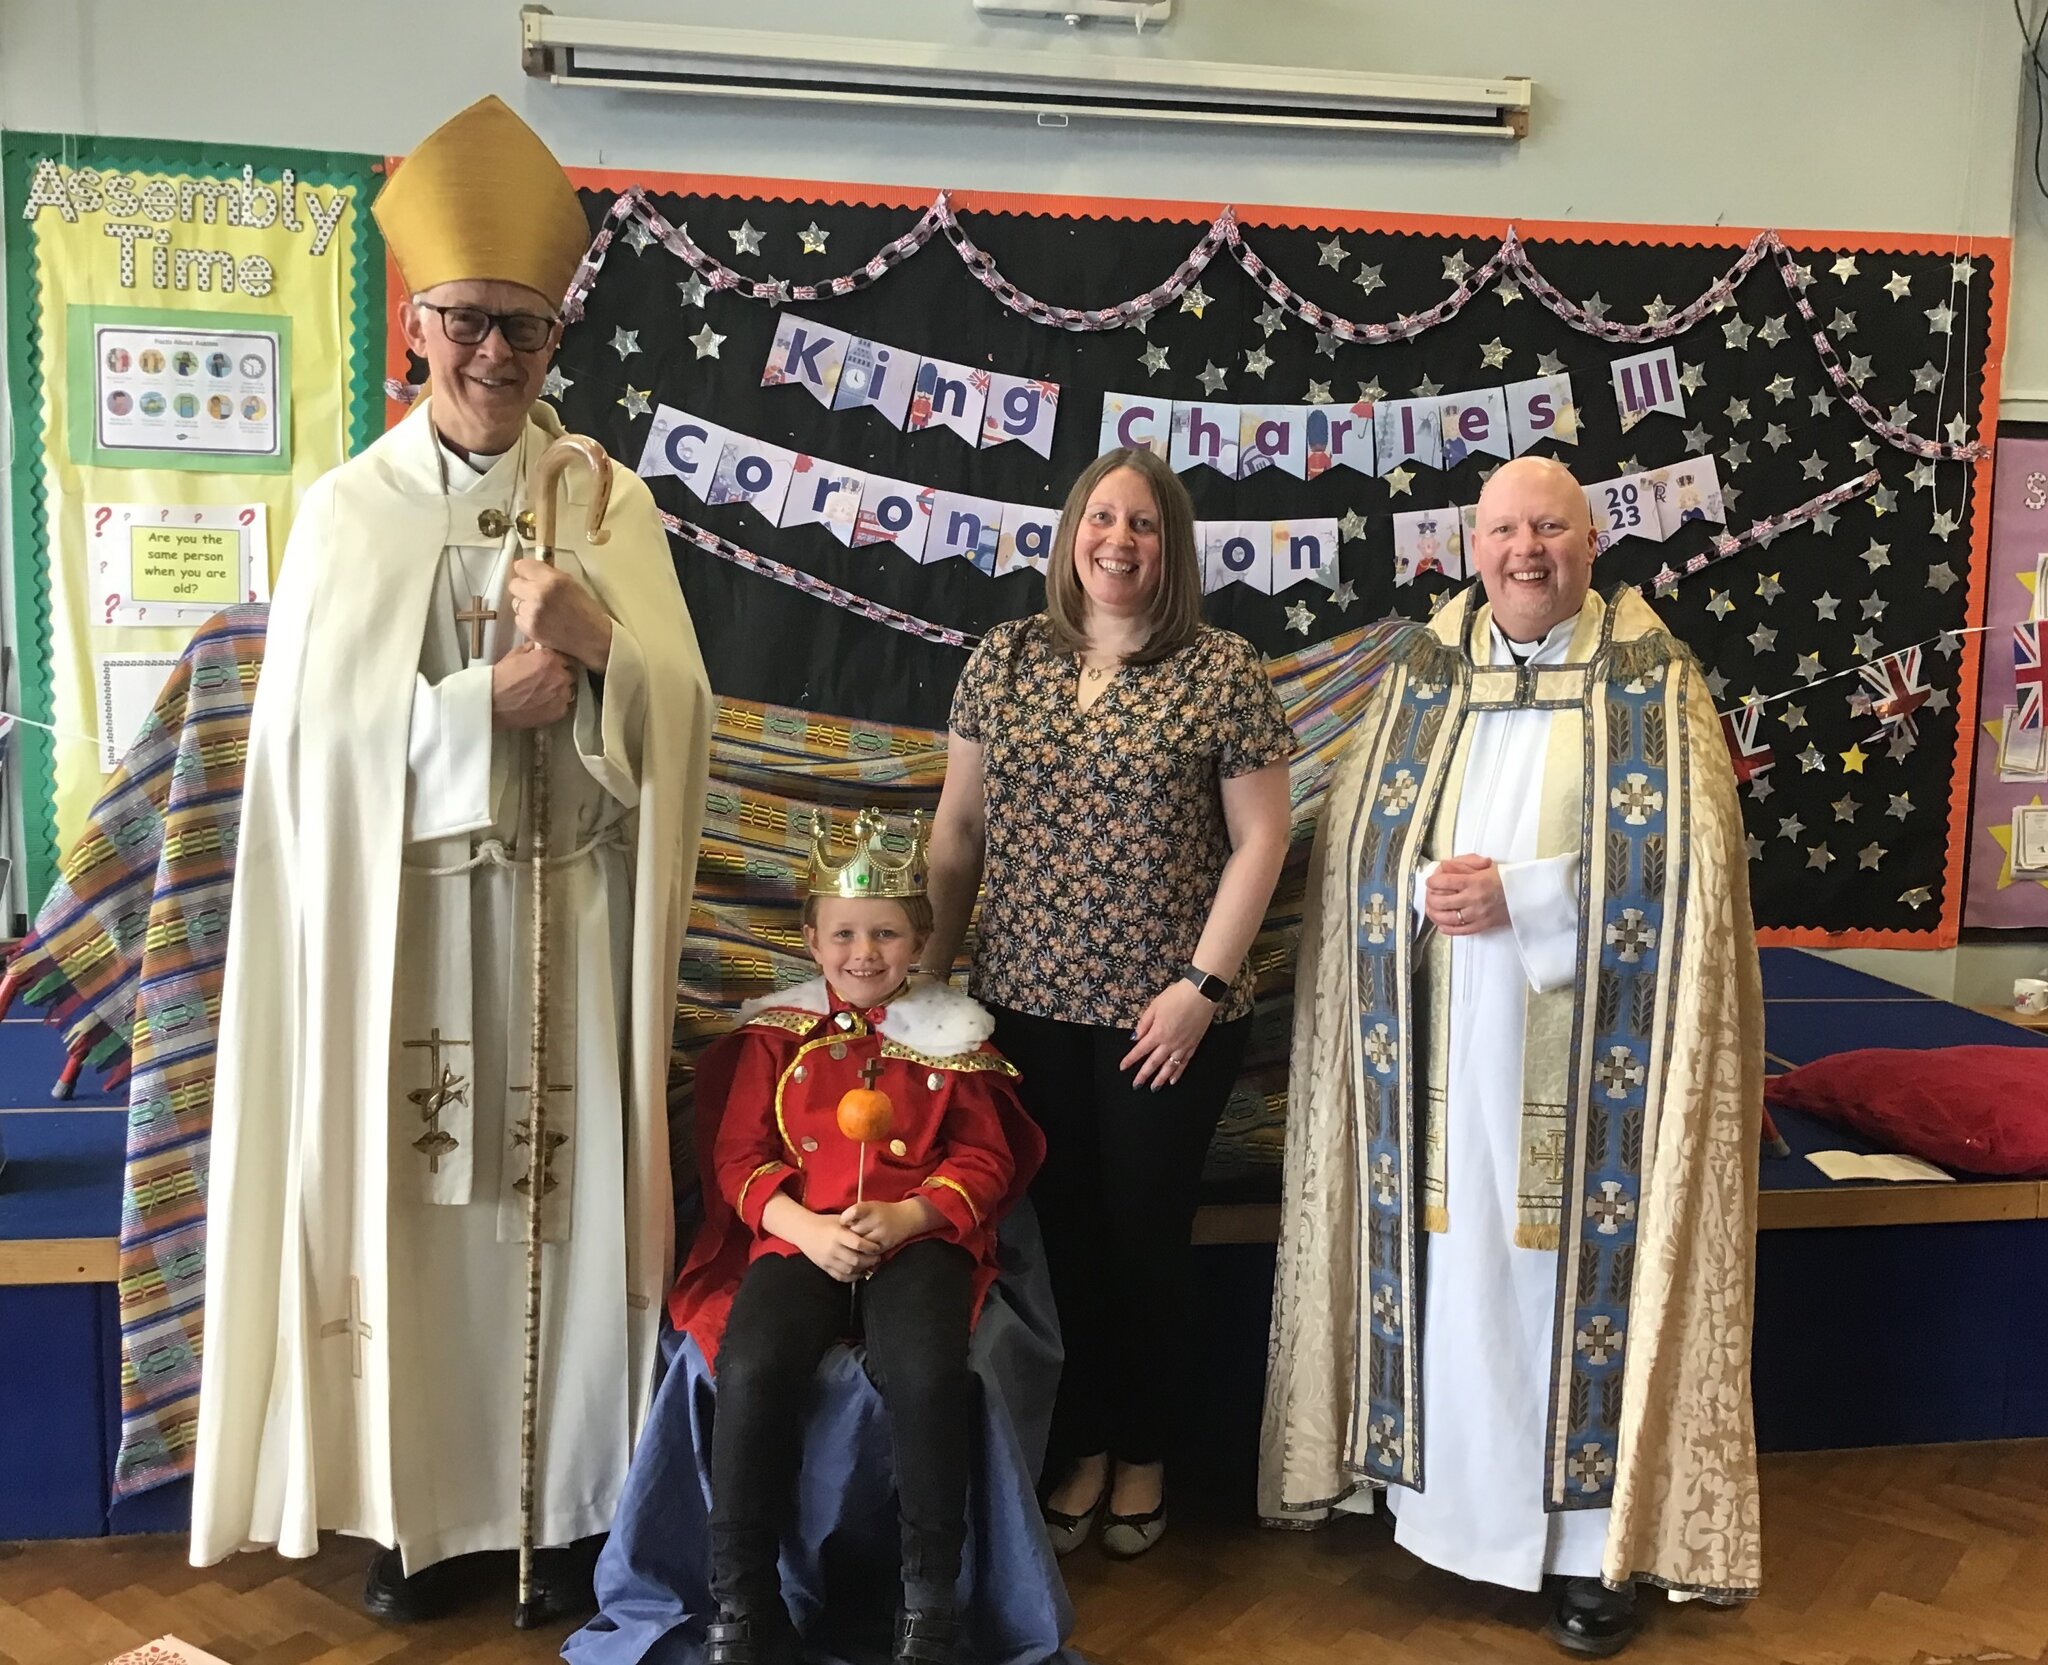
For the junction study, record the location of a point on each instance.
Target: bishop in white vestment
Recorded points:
(366, 1261)
(1519, 1201)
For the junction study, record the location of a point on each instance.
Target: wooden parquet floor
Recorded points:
(1897, 1557)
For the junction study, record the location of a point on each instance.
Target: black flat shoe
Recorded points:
(428, 1594)
(759, 1636)
(1591, 1620)
(927, 1638)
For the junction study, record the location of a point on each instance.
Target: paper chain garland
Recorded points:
(1510, 259)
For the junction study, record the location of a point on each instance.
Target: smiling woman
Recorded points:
(1122, 768)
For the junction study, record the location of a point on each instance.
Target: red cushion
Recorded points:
(1972, 1109)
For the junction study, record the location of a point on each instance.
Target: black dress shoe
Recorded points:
(927, 1637)
(429, 1593)
(1591, 1620)
(757, 1636)
(564, 1583)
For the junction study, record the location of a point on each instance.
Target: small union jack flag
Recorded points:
(2029, 674)
(1897, 691)
(1750, 757)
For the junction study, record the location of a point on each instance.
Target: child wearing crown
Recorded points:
(856, 1133)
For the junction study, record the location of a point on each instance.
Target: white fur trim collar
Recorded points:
(929, 1017)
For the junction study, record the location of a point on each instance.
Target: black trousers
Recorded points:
(1116, 1203)
(916, 1312)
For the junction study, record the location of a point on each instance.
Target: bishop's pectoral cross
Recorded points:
(555, 1141)
(446, 1089)
(476, 615)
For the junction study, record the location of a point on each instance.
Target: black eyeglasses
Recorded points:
(469, 326)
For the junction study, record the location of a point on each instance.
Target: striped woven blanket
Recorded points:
(128, 949)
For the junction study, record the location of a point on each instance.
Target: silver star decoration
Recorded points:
(1352, 526)
(1873, 605)
(1692, 378)
(1922, 474)
(1795, 716)
(1493, 354)
(1883, 500)
(1859, 703)
(625, 343)
(1903, 741)
(1824, 605)
(1927, 378)
(635, 400)
(1821, 403)
(707, 342)
(1819, 855)
(1773, 331)
(1958, 430)
(1941, 577)
(1369, 279)
(1899, 286)
(1843, 325)
(1864, 449)
(1319, 394)
(1779, 388)
(1371, 393)
(1802, 277)
(1399, 480)
(1343, 596)
(1901, 805)
(1808, 667)
(1961, 271)
(1730, 496)
(1456, 266)
(555, 384)
(1761, 788)
(1196, 300)
(1720, 606)
(1865, 644)
(1272, 318)
(1596, 308)
(1629, 465)
(1300, 618)
(1736, 332)
(813, 238)
(1790, 827)
(1326, 344)
(1870, 855)
(1845, 808)
(1777, 436)
(694, 289)
(638, 236)
(1877, 555)
(1754, 845)
(1427, 388)
(1212, 379)
(1334, 253)
(1696, 440)
(1258, 361)
(1763, 638)
(1859, 370)
(1549, 364)
(1937, 699)
(1508, 290)
(746, 240)
(1940, 319)
(1768, 587)
(1948, 644)
(1844, 267)
(1900, 415)
(1656, 310)
(1735, 455)
(1153, 358)
(1812, 468)
(1738, 411)
(1824, 521)
(1945, 525)
(1717, 684)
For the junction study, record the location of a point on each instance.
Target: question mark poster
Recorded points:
(230, 294)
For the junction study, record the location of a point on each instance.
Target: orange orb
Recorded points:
(866, 1115)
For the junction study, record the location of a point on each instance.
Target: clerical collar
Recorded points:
(1558, 637)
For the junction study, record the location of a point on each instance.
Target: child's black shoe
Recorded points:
(752, 1636)
(927, 1636)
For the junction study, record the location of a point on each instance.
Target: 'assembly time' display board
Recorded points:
(861, 408)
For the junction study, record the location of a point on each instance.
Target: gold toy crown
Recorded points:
(884, 863)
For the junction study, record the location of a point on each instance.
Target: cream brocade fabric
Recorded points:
(1685, 1508)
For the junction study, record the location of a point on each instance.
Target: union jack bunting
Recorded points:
(1897, 690)
(2029, 675)
(1749, 755)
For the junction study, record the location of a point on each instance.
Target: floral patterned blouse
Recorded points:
(1106, 835)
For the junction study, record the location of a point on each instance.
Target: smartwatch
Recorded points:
(1211, 989)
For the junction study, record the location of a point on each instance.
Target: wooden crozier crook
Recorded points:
(570, 451)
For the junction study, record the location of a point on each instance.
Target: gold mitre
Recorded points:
(884, 863)
(482, 198)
